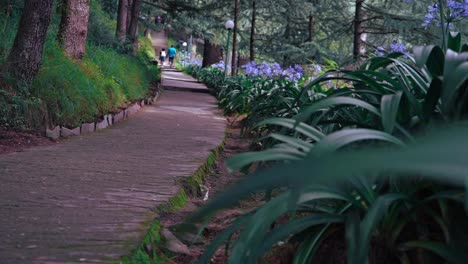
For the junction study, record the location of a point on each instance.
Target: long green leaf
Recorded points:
(257, 227)
(333, 102)
(241, 160)
(389, 109)
(456, 67)
(292, 141)
(376, 212)
(440, 156)
(221, 238)
(345, 137)
(292, 227)
(300, 127)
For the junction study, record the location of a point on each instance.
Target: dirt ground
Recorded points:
(16, 141)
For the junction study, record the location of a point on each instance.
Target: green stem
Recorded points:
(442, 26)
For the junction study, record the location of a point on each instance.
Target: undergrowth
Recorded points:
(72, 92)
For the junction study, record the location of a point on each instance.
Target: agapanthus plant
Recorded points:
(220, 66)
(273, 70)
(395, 46)
(444, 14)
(451, 10)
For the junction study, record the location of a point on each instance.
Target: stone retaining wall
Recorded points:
(107, 120)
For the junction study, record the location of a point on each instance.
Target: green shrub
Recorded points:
(354, 162)
(101, 28)
(8, 26)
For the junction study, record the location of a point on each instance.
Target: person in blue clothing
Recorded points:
(172, 53)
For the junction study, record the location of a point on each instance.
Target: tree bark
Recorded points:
(234, 38)
(211, 54)
(122, 14)
(287, 33)
(311, 27)
(359, 48)
(252, 30)
(129, 13)
(133, 29)
(25, 56)
(74, 27)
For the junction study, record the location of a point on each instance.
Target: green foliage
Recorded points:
(354, 159)
(101, 28)
(20, 112)
(146, 51)
(70, 92)
(80, 92)
(8, 26)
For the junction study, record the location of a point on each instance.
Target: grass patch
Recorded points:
(72, 92)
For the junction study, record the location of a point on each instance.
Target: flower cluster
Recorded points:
(187, 61)
(395, 46)
(455, 9)
(273, 70)
(220, 66)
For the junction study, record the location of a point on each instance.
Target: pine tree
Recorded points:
(122, 14)
(74, 27)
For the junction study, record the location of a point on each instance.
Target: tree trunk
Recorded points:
(234, 38)
(252, 31)
(129, 14)
(122, 14)
(74, 27)
(25, 56)
(133, 29)
(211, 54)
(359, 48)
(287, 34)
(311, 27)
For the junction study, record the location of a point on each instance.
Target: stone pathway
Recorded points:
(177, 81)
(90, 199)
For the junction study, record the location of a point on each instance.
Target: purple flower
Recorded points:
(431, 15)
(380, 51)
(395, 46)
(220, 66)
(273, 70)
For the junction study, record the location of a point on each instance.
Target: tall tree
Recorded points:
(234, 38)
(253, 24)
(212, 53)
(133, 28)
(359, 48)
(25, 56)
(122, 14)
(129, 13)
(74, 27)
(312, 20)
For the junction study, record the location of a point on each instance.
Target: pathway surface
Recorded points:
(89, 199)
(159, 39)
(177, 81)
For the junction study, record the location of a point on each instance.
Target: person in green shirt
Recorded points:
(172, 53)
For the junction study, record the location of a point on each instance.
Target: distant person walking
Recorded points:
(162, 56)
(172, 53)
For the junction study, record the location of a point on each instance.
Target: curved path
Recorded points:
(90, 199)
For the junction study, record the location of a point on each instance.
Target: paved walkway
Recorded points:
(89, 199)
(177, 81)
